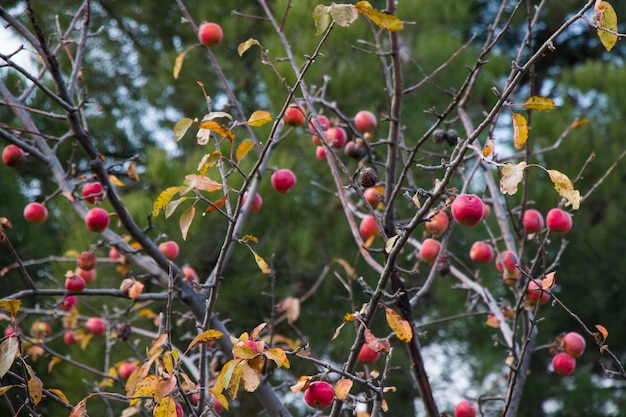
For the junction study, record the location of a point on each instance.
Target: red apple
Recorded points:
(86, 261)
(535, 294)
(257, 203)
(170, 249)
(218, 408)
(558, 221)
(354, 149)
(467, 209)
(69, 337)
(179, 410)
(481, 252)
(373, 195)
(563, 364)
(320, 394)
(68, 303)
(126, 369)
(429, 250)
(74, 283)
(336, 137)
(486, 210)
(367, 355)
(114, 253)
(438, 223)
(316, 140)
(35, 213)
(320, 153)
(210, 34)
(294, 116)
(365, 121)
(12, 331)
(507, 262)
(190, 274)
(12, 155)
(464, 409)
(40, 328)
(282, 180)
(573, 344)
(93, 192)
(532, 221)
(88, 275)
(368, 227)
(97, 219)
(323, 121)
(95, 326)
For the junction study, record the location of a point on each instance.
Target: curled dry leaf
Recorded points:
(512, 175)
(291, 307)
(401, 327)
(342, 388)
(303, 383)
(563, 185)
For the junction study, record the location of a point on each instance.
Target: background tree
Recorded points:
(103, 109)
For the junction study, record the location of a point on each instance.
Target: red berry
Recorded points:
(74, 283)
(336, 137)
(429, 250)
(126, 369)
(323, 121)
(368, 227)
(535, 294)
(257, 203)
(481, 252)
(532, 221)
(68, 303)
(86, 261)
(438, 223)
(558, 221)
(320, 153)
(170, 249)
(294, 116)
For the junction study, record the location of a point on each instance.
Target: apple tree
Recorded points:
(344, 203)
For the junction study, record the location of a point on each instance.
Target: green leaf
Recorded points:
(606, 20)
(181, 128)
(344, 14)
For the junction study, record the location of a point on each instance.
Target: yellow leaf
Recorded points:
(171, 207)
(302, 385)
(255, 333)
(156, 347)
(250, 238)
(59, 394)
(220, 397)
(163, 199)
(390, 243)
(576, 124)
(539, 103)
(512, 175)
(11, 306)
(401, 327)
(203, 183)
(185, 221)
(321, 17)
(259, 118)
(145, 386)
(243, 149)
(564, 187)
(548, 281)
(342, 388)
(166, 407)
(606, 20)
(204, 337)
(520, 131)
(346, 265)
(217, 128)
(343, 14)
(263, 266)
(132, 172)
(5, 389)
(178, 62)
(169, 361)
(233, 386)
(384, 20)
(278, 356)
(244, 46)
(35, 386)
(208, 161)
(116, 181)
(250, 377)
(489, 147)
(53, 362)
(603, 331)
(181, 127)
(9, 349)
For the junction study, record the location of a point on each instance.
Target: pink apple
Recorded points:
(507, 262)
(12, 155)
(481, 252)
(294, 116)
(573, 344)
(257, 202)
(438, 223)
(170, 249)
(95, 326)
(68, 303)
(464, 409)
(74, 283)
(210, 34)
(179, 410)
(365, 121)
(336, 137)
(323, 121)
(467, 209)
(126, 369)
(283, 179)
(373, 196)
(563, 364)
(88, 275)
(190, 275)
(114, 253)
(320, 153)
(367, 355)
(532, 221)
(69, 338)
(559, 221)
(368, 227)
(35, 213)
(12, 331)
(97, 219)
(93, 192)
(320, 395)
(535, 294)
(429, 250)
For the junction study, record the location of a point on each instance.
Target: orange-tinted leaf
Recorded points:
(243, 47)
(291, 307)
(401, 327)
(163, 200)
(79, 409)
(243, 149)
(132, 172)
(11, 306)
(489, 147)
(512, 175)
(259, 118)
(145, 386)
(342, 388)
(302, 385)
(564, 187)
(203, 183)
(156, 347)
(250, 377)
(185, 220)
(347, 267)
(217, 128)
(6, 388)
(338, 330)
(603, 331)
(549, 281)
(278, 356)
(321, 17)
(520, 131)
(539, 103)
(204, 337)
(34, 352)
(216, 204)
(208, 161)
(256, 332)
(9, 349)
(578, 123)
(136, 289)
(166, 407)
(263, 266)
(492, 321)
(59, 394)
(164, 387)
(343, 14)
(384, 20)
(116, 181)
(53, 362)
(606, 20)
(178, 62)
(35, 386)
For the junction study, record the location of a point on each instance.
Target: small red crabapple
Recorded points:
(467, 209)
(320, 153)
(429, 250)
(93, 192)
(95, 326)
(170, 249)
(35, 213)
(320, 395)
(532, 220)
(481, 252)
(438, 223)
(294, 116)
(365, 121)
(367, 355)
(563, 364)
(283, 179)
(558, 221)
(97, 219)
(257, 202)
(368, 227)
(464, 409)
(12, 155)
(210, 34)
(573, 344)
